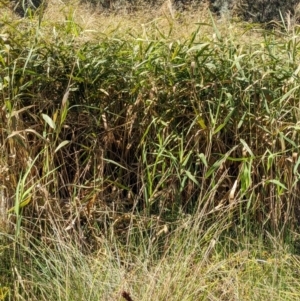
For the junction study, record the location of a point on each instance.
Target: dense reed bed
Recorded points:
(157, 145)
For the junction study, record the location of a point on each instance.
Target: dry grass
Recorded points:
(191, 267)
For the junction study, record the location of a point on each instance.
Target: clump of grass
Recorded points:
(128, 148)
(208, 268)
(65, 83)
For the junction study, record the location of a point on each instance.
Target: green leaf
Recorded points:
(246, 146)
(115, 163)
(20, 205)
(288, 94)
(295, 170)
(199, 47)
(62, 144)
(191, 177)
(214, 167)
(276, 182)
(217, 32)
(49, 121)
(203, 159)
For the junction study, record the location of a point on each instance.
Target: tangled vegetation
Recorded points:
(152, 155)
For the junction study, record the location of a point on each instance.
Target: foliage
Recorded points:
(144, 144)
(259, 10)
